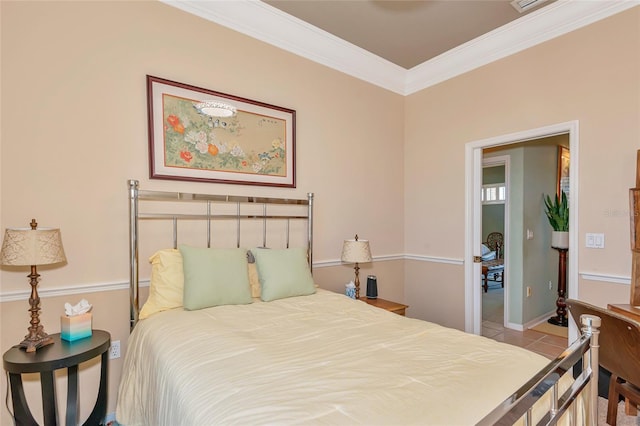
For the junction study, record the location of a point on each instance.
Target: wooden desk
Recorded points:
(634, 313)
(627, 310)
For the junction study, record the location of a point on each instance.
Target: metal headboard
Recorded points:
(136, 196)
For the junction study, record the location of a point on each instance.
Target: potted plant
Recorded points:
(557, 211)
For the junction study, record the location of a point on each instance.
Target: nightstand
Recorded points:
(47, 359)
(397, 308)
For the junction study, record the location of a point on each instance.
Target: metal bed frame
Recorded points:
(520, 403)
(136, 196)
(517, 406)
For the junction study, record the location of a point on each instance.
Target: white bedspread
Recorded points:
(319, 359)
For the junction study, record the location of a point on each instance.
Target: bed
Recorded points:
(276, 349)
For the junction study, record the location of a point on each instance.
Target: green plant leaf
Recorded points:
(557, 211)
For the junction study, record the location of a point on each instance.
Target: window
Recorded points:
(494, 194)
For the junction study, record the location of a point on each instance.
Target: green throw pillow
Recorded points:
(283, 273)
(214, 277)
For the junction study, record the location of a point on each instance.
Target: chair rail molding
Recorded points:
(615, 279)
(12, 296)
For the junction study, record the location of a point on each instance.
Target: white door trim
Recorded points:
(473, 183)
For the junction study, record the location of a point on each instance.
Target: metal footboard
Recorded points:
(519, 407)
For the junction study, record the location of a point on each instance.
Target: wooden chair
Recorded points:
(495, 242)
(619, 353)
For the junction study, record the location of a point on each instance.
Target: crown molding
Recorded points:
(554, 20)
(270, 25)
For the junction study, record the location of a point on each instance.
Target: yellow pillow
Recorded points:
(254, 280)
(167, 283)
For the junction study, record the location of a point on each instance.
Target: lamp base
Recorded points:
(36, 338)
(35, 341)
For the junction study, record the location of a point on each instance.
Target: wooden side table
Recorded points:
(397, 308)
(47, 359)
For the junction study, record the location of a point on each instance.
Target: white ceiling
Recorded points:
(402, 46)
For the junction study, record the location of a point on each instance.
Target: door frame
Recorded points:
(473, 212)
(501, 160)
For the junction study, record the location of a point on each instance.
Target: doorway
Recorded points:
(495, 207)
(473, 237)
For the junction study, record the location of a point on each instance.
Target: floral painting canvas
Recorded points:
(255, 146)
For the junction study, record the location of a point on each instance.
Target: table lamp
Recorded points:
(356, 251)
(31, 247)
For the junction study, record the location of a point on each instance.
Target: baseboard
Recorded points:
(542, 318)
(514, 326)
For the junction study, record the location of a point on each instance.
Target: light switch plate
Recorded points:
(594, 240)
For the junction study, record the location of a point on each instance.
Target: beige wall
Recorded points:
(591, 75)
(436, 291)
(74, 130)
(389, 274)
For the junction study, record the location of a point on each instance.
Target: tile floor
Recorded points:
(544, 344)
(492, 314)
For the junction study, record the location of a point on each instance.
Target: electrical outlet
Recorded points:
(114, 349)
(550, 285)
(528, 291)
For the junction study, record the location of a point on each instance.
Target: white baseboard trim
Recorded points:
(542, 318)
(514, 326)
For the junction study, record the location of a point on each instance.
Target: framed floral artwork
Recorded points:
(256, 146)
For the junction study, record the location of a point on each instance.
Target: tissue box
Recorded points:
(76, 327)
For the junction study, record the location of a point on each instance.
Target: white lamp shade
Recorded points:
(25, 246)
(356, 251)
